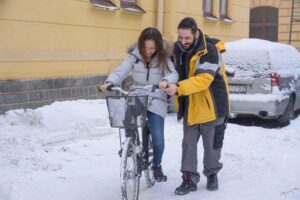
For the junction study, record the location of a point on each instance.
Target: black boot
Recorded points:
(212, 182)
(186, 186)
(158, 173)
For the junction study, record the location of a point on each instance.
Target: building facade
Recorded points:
(273, 20)
(56, 50)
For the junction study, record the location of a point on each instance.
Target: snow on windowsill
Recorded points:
(109, 8)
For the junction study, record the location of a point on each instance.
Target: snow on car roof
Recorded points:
(256, 57)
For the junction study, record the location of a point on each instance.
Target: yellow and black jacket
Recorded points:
(202, 87)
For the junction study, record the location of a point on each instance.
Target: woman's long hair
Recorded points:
(161, 51)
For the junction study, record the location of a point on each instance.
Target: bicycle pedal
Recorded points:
(163, 179)
(148, 164)
(120, 152)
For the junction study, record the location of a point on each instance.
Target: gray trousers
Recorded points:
(211, 159)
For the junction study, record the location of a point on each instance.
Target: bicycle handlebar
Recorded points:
(151, 88)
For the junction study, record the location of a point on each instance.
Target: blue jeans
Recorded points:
(156, 126)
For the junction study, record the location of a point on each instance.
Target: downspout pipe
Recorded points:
(160, 15)
(291, 22)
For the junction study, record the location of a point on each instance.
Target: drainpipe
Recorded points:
(160, 15)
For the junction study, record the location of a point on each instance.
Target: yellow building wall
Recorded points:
(239, 10)
(60, 38)
(284, 21)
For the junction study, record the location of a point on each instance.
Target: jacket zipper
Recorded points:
(148, 69)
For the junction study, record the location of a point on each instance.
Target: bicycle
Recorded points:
(129, 112)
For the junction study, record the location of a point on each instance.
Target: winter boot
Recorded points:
(212, 182)
(186, 186)
(158, 173)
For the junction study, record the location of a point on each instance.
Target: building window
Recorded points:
(131, 6)
(223, 9)
(207, 7)
(104, 4)
(264, 23)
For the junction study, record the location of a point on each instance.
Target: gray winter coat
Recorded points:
(143, 76)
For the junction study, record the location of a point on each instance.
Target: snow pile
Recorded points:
(53, 124)
(27, 137)
(256, 58)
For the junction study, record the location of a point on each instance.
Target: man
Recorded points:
(202, 102)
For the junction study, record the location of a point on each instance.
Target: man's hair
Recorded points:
(188, 23)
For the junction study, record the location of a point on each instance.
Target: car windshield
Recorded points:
(258, 58)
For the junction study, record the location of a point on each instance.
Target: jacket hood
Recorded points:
(133, 48)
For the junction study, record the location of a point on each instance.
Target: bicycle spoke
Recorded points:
(129, 175)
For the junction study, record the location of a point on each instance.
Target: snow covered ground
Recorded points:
(67, 151)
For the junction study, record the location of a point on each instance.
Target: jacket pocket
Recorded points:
(219, 136)
(207, 102)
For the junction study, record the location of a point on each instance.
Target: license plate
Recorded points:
(236, 89)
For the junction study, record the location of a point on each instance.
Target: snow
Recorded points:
(132, 9)
(255, 57)
(276, 96)
(110, 8)
(67, 150)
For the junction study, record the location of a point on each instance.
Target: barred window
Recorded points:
(131, 6)
(223, 9)
(104, 4)
(207, 7)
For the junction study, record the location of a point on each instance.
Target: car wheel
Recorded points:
(288, 113)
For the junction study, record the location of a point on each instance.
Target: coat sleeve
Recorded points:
(172, 75)
(122, 71)
(194, 84)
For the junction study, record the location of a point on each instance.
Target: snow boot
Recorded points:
(158, 173)
(212, 182)
(186, 186)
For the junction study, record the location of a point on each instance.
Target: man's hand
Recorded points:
(163, 85)
(171, 89)
(104, 86)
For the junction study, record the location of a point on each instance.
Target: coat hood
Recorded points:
(133, 48)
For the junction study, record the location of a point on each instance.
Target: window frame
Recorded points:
(224, 10)
(107, 5)
(208, 14)
(132, 7)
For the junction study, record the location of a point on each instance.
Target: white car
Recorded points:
(264, 79)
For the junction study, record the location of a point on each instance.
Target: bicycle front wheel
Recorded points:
(130, 179)
(149, 176)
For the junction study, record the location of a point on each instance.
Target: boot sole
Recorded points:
(191, 190)
(212, 189)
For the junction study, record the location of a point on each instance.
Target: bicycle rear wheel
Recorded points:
(130, 180)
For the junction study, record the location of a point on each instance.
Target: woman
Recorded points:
(150, 65)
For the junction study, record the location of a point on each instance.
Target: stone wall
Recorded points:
(16, 94)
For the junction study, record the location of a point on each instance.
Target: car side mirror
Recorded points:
(230, 72)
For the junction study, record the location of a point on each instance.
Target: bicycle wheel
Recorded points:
(150, 181)
(130, 180)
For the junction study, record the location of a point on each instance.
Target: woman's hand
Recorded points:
(163, 85)
(103, 87)
(172, 89)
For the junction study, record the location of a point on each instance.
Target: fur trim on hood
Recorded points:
(167, 45)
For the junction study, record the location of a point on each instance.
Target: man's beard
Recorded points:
(188, 46)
